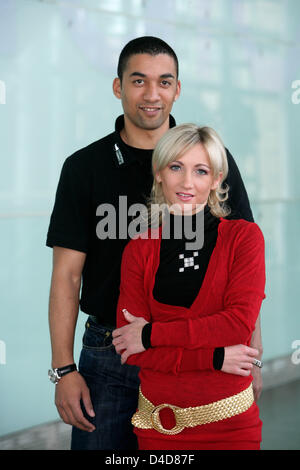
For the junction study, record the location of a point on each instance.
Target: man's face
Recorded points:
(148, 90)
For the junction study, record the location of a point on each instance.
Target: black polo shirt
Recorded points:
(99, 174)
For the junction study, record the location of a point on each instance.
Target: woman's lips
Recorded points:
(185, 196)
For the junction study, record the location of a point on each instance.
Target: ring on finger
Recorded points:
(258, 363)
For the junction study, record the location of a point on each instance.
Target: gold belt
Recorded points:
(147, 416)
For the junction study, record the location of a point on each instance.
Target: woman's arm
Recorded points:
(237, 359)
(134, 299)
(256, 342)
(235, 323)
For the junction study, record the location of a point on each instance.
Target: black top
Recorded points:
(181, 272)
(99, 174)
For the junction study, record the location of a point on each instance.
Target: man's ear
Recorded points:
(178, 91)
(117, 87)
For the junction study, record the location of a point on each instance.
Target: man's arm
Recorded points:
(256, 342)
(238, 200)
(239, 203)
(63, 313)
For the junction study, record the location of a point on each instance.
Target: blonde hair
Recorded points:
(176, 142)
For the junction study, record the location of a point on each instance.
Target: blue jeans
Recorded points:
(114, 393)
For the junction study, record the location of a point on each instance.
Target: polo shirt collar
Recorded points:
(122, 156)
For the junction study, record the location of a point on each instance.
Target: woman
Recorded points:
(195, 303)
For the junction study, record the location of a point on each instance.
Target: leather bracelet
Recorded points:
(57, 373)
(66, 369)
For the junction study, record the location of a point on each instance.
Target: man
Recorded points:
(100, 398)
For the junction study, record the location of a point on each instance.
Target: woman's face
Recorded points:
(188, 181)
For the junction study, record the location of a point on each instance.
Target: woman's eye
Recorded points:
(175, 167)
(201, 172)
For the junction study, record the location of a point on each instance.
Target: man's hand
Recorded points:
(128, 339)
(69, 391)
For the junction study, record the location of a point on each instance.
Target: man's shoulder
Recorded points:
(86, 154)
(240, 228)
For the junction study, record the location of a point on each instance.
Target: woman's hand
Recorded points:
(238, 359)
(128, 339)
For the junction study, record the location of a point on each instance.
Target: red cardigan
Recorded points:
(178, 368)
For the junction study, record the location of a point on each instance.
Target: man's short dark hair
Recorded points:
(145, 45)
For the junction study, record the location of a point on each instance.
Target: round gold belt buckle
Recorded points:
(156, 423)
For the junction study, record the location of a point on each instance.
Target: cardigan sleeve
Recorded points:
(165, 359)
(243, 297)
